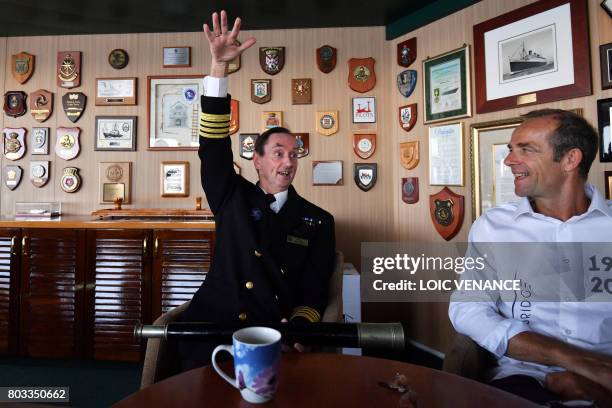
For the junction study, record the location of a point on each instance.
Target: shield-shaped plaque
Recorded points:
(69, 69)
(446, 210)
(365, 175)
(71, 180)
(409, 154)
(408, 116)
(272, 59)
(301, 91)
(234, 117)
(67, 142)
(407, 52)
(326, 58)
(40, 140)
(406, 81)
(364, 144)
(234, 65)
(14, 143)
(410, 190)
(301, 143)
(22, 65)
(15, 103)
(261, 90)
(74, 105)
(41, 105)
(362, 77)
(12, 176)
(247, 145)
(327, 122)
(39, 173)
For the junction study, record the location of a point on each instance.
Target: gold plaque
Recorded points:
(528, 98)
(115, 181)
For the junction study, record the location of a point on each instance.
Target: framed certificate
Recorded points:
(116, 91)
(115, 133)
(174, 179)
(173, 110)
(446, 155)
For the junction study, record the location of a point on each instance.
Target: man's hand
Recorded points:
(223, 43)
(571, 386)
(300, 348)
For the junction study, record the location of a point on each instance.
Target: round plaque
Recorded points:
(114, 173)
(118, 58)
(327, 121)
(364, 145)
(38, 171)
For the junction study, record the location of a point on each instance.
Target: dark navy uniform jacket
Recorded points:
(266, 266)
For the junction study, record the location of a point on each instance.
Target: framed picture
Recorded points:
(492, 181)
(364, 109)
(604, 118)
(605, 59)
(174, 179)
(446, 155)
(535, 54)
(116, 91)
(327, 173)
(173, 111)
(607, 6)
(608, 183)
(447, 86)
(177, 57)
(115, 133)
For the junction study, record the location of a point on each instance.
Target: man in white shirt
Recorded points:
(557, 349)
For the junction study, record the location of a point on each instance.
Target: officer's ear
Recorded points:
(571, 160)
(257, 161)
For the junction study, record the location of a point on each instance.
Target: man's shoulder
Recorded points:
(492, 222)
(310, 209)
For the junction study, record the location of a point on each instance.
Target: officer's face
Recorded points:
(278, 164)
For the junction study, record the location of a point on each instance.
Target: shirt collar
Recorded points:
(597, 203)
(281, 199)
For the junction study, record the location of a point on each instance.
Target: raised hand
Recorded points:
(223, 43)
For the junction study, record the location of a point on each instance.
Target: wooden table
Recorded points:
(326, 380)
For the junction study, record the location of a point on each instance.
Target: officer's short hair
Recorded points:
(263, 138)
(573, 131)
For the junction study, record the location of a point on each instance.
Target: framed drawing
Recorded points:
(115, 133)
(173, 111)
(605, 59)
(535, 54)
(364, 109)
(608, 183)
(116, 91)
(174, 179)
(446, 155)
(327, 173)
(607, 6)
(446, 90)
(604, 118)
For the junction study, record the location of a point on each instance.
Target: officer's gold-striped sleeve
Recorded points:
(214, 126)
(307, 313)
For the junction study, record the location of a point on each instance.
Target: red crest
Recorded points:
(408, 116)
(446, 209)
(406, 52)
(362, 77)
(364, 145)
(234, 117)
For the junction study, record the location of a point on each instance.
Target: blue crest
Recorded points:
(256, 213)
(406, 82)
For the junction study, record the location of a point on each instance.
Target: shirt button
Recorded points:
(242, 316)
(282, 271)
(257, 253)
(276, 297)
(249, 285)
(568, 331)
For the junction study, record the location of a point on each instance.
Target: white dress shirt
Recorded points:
(493, 321)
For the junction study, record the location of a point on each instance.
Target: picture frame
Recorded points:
(176, 57)
(364, 109)
(174, 179)
(608, 184)
(327, 173)
(446, 86)
(116, 91)
(523, 57)
(117, 133)
(607, 6)
(173, 111)
(446, 154)
(605, 64)
(604, 118)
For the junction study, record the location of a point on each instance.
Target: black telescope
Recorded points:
(366, 335)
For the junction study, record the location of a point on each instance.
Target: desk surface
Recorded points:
(327, 380)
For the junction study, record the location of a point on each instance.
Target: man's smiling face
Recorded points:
(278, 165)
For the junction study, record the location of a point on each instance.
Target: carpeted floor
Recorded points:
(92, 383)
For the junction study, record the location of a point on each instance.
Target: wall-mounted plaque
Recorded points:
(14, 143)
(234, 65)
(261, 90)
(12, 176)
(71, 180)
(115, 133)
(446, 209)
(409, 154)
(302, 144)
(365, 175)
(272, 59)
(74, 105)
(301, 91)
(39, 140)
(364, 145)
(67, 144)
(15, 103)
(326, 58)
(116, 91)
(41, 105)
(177, 57)
(410, 190)
(247, 145)
(408, 116)
(174, 179)
(118, 58)
(69, 69)
(115, 181)
(327, 173)
(271, 119)
(362, 77)
(364, 109)
(234, 117)
(327, 122)
(22, 66)
(39, 173)
(407, 52)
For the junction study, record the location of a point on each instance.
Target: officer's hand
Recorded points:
(300, 348)
(223, 43)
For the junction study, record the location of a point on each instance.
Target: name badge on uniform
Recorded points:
(292, 239)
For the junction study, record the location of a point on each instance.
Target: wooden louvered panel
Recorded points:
(52, 292)
(181, 262)
(120, 297)
(8, 289)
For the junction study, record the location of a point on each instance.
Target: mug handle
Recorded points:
(219, 371)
